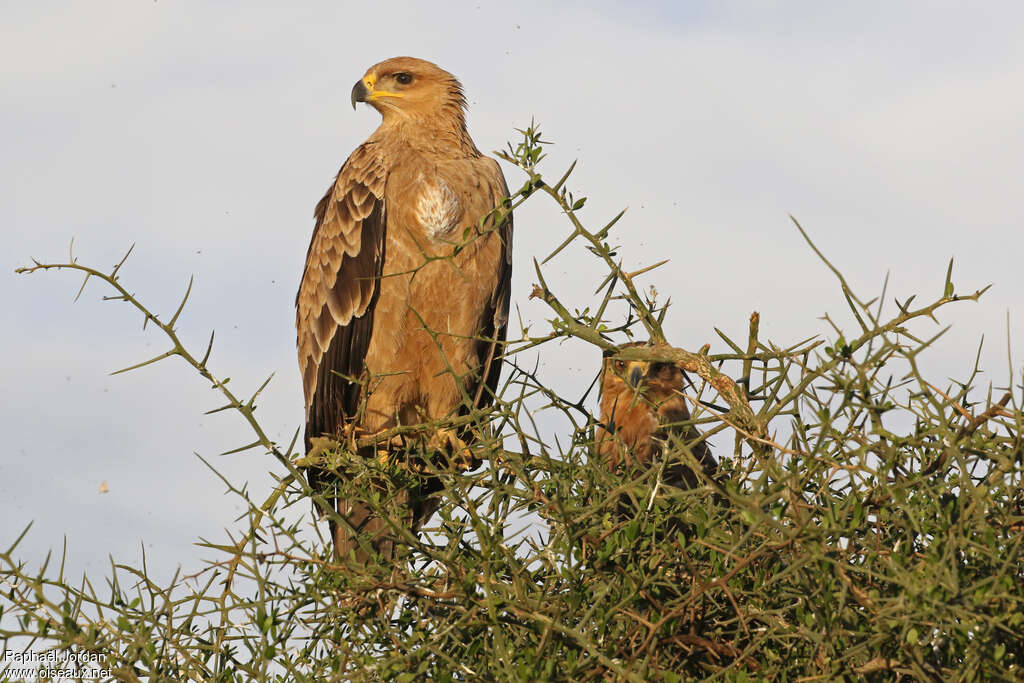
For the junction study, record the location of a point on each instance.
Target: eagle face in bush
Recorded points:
(644, 418)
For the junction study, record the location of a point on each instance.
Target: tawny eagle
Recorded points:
(643, 412)
(404, 298)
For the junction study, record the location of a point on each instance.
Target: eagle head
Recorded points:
(410, 88)
(656, 382)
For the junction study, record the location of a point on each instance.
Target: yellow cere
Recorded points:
(370, 80)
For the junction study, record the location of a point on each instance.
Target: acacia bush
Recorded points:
(866, 522)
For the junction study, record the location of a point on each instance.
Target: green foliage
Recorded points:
(866, 523)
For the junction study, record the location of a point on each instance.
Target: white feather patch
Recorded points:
(437, 208)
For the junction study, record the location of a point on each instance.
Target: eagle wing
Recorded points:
(496, 316)
(340, 284)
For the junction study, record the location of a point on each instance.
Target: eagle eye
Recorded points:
(620, 364)
(403, 78)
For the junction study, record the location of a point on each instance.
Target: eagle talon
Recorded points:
(459, 456)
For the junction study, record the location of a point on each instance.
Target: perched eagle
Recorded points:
(404, 298)
(642, 412)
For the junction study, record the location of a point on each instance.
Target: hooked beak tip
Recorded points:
(359, 93)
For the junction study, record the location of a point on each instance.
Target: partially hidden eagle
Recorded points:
(643, 415)
(404, 298)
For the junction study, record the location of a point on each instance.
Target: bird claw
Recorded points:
(458, 454)
(453, 451)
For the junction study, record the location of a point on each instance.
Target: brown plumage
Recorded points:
(642, 415)
(382, 271)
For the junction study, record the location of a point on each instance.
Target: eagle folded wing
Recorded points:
(334, 307)
(496, 317)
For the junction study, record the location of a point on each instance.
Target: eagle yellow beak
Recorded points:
(365, 90)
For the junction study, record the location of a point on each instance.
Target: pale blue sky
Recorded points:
(205, 133)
